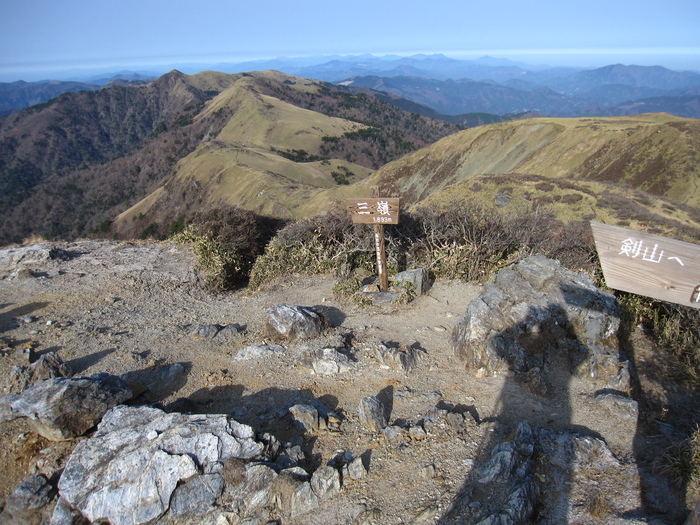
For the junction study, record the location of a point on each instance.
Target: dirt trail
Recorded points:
(117, 307)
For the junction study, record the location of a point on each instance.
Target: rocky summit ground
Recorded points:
(120, 307)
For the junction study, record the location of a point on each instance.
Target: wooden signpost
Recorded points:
(650, 265)
(377, 211)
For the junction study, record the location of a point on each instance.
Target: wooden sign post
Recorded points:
(377, 211)
(650, 265)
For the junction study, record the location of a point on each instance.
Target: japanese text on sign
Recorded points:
(374, 210)
(650, 265)
(633, 248)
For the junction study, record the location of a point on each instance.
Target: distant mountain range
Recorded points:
(266, 141)
(17, 95)
(452, 87)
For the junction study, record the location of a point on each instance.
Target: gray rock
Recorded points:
(230, 332)
(325, 482)
(535, 312)
(48, 366)
(403, 358)
(65, 408)
(255, 351)
(290, 321)
(254, 492)
(63, 514)
(305, 417)
(502, 199)
(371, 413)
(392, 432)
(207, 331)
(355, 469)
(510, 460)
(417, 278)
(380, 298)
(284, 485)
(196, 497)
(303, 500)
(28, 503)
(417, 433)
(619, 407)
(327, 361)
(128, 470)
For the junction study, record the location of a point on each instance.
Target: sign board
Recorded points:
(650, 265)
(374, 210)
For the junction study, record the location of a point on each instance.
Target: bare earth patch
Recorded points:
(120, 307)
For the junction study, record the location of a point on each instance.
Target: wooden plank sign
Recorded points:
(374, 210)
(650, 265)
(377, 211)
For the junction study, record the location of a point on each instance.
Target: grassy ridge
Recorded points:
(658, 153)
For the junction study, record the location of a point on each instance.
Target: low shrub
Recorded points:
(226, 242)
(464, 241)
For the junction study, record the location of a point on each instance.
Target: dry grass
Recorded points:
(681, 463)
(598, 505)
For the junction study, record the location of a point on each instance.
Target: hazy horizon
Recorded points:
(42, 39)
(191, 67)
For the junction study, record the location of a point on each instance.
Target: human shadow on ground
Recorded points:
(537, 355)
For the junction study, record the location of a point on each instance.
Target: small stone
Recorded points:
(393, 432)
(207, 331)
(356, 469)
(417, 433)
(24, 273)
(254, 351)
(305, 417)
(428, 471)
(372, 414)
(325, 482)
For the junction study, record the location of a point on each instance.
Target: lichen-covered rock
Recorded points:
(538, 311)
(293, 321)
(371, 413)
(128, 472)
(65, 408)
(47, 366)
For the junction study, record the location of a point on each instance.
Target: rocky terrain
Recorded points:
(516, 402)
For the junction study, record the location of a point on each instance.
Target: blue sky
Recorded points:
(49, 36)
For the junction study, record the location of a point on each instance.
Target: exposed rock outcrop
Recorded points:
(65, 408)
(538, 312)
